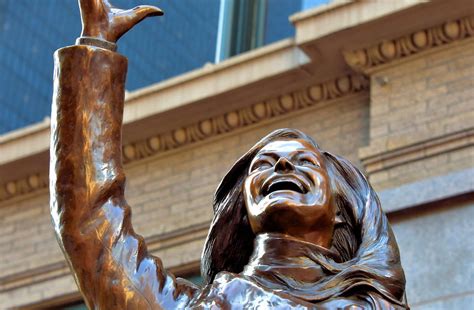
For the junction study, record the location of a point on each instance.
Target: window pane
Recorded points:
(307, 4)
(277, 24)
(241, 26)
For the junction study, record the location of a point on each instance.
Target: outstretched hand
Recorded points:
(103, 21)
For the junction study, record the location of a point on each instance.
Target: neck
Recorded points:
(285, 257)
(319, 238)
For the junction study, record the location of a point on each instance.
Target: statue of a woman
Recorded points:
(293, 227)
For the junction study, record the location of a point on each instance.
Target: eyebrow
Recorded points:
(295, 153)
(313, 154)
(272, 155)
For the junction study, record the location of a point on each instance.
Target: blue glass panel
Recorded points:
(307, 4)
(277, 26)
(159, 48)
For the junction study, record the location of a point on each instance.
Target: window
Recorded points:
(241, 27)
(249, 24)
(307, 4)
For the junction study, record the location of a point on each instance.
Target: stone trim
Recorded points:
(213, 126)
(52, 303)
(365, 59)
(154, 244)
(58, 301)
(388, 159)
(427, 191)
(30, 184)
(243, 117)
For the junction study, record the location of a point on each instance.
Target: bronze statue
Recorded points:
(293, 227)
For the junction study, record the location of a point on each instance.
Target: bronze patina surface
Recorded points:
(294, 226)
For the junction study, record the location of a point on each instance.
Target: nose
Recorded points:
(284, 165)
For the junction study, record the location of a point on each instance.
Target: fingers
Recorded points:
(142, 11)
(124, 20)
(100, 19)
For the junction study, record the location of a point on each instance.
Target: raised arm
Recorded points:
(110, 262)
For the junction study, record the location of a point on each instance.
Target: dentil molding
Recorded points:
(365, 59)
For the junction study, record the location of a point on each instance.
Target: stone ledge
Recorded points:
(340, 15)
(155, 244)
(427, 191)
(214, 79)
(375, 160)
(34, 139)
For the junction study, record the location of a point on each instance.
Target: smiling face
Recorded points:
(287, 191)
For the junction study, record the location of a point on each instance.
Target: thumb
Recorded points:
(124, 20)
(140, 12)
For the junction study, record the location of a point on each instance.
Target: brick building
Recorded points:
(388, 85)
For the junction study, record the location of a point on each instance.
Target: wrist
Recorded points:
(97, 42)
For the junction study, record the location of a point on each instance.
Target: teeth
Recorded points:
(285, 185)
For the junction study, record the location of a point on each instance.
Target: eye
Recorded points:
(261, 164)
(307, 161)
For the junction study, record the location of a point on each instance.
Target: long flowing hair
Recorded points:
(367, 248)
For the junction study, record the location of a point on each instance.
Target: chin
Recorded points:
(283, 219)
(281, 213)
(281, 202)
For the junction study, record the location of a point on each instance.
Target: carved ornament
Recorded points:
(31, 183)
(386, 51)
(243, 117)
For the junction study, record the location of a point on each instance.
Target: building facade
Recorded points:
(388, 85)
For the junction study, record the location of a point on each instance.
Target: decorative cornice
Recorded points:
(246, 116)
(214, 126)
(31, 183)
(364, 59)
(154, 244)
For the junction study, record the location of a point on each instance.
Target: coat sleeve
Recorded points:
(92, 220)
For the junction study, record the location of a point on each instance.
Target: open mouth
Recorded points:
(284, 185)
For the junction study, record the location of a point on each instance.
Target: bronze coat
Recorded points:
(92, 220)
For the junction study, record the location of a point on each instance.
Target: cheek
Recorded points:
(317, 176)
(324, 181)
(320, 180)
(249, 190)
(325, 189)
(252, 185)
(327, 192)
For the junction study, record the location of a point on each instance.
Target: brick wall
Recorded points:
(426, 97)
